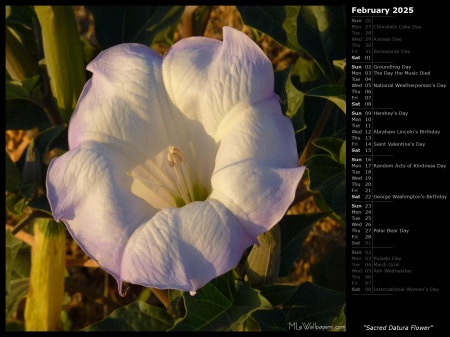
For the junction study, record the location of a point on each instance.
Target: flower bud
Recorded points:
(63, 55)
(32, 171)
(46, 291)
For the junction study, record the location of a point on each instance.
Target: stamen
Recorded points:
(175, 154)
(182, 174)
(180, 182)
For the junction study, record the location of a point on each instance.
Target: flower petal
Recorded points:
(206, 78)
(126, 100)
(89, 190)
(259, 196)
(256, 172)
(184, 248)
(260, 132)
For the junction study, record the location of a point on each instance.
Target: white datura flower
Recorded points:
(177, 163)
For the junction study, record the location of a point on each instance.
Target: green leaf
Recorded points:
(15, 204)
(321, 32)
(318, 30)
(137, 24)
(23, 15)
(144, 295)
(340, 322)
(294, 231)
(23, 21)
(22, 266)
(266, 320)
(314, 304)
(281, 78)
(306, 74)
(24, 115)
(295, 110)
(334, 125)
(12, 247)
(330, 270)
(28, 190)
(21, 89)
(13, 325)
(65, 321)
(165, 37)
(219, 307)
(333, 93)
(278, 22)
(13, 175)
(291, 98)
(175, 297)
(327, 176)
(250, 324)
(46, 138)
(333, 194)
(322, 167)
(19, 63)
(342, 154)
(137, 316)
(331, 145)
(18, 291)
(40, 203)
(341, 66)
(263, 262)
(278, 294)
(256, 34)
